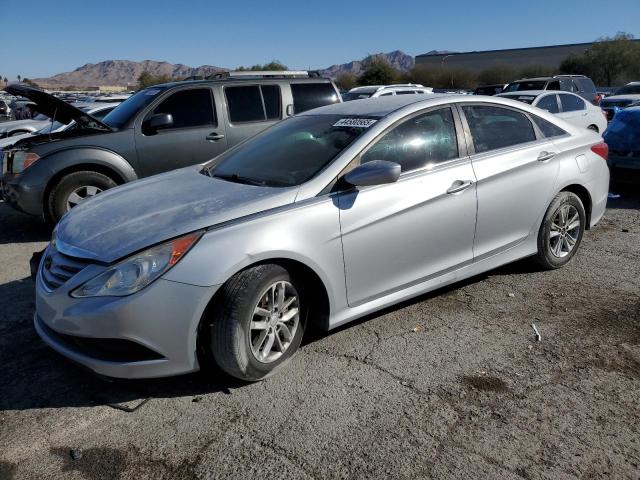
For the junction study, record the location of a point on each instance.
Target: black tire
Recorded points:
(59, 195)
(229, 332)
(594, 128)
(545, 256)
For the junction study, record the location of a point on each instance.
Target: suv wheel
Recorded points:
(73, 189)
(561, 231)
(258, 322)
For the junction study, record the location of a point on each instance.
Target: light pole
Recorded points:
(442, 66)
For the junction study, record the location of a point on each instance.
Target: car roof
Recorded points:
(242, 80)
(528, 92)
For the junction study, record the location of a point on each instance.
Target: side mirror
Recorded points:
(376, 172)
(158, 122)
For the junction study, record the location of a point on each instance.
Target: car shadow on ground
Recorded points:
(21, 228)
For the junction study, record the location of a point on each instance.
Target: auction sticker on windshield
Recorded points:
(355, 122)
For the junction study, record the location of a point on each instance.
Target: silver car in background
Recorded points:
(321, 219)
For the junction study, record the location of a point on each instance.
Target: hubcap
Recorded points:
(564, 231)
(274, 322)
(80, 194)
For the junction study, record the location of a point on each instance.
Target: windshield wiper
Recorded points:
(234, 177)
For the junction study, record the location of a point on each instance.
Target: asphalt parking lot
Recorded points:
(450, 385)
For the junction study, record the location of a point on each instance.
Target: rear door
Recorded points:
(249, 109)
(515, 170)
(574, 110)
(196, 136)
(549, 103)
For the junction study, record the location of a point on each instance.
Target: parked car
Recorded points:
(568, 106)
(622, 98)
(578, 84)
(19, 127)
(623, 138)
(5, 110)
(321, 219)
(488, 90)
(374, 91)
(158, 129)
(97, 110)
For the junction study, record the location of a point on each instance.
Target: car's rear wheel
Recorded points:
(75, 188)
(258, 322)
(561, 231)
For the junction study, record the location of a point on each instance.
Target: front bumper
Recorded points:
(161, 322)
(21, 195)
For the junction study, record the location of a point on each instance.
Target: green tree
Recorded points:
(497, 74)
(532, 71)
(377, 71)
(608, 61)
(346, 81)
(273, 65)
(438, 77)
(19, 78)
(28, 81)
(147, 79)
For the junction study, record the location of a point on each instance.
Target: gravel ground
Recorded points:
(451, 385)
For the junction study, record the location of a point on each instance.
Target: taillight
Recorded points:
(601, 149)
(605, 114)
(597, 99)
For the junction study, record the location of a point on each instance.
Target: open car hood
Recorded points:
(55, 108)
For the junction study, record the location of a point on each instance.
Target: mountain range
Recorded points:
(126, 72)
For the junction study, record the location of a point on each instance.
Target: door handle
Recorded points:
(459, 186)
(546, 156)
(214, 137)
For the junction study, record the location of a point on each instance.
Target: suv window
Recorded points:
(419, 142)
(189, 108)
(555, 85)
(405, 92)
(548, 129)
(585, 85)
(549, 103)
(497, 127)
(253, 103)
(312, 95)
(571, 103)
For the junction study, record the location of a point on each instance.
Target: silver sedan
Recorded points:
(324, 218)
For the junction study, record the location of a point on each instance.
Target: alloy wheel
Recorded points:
(80, 194)
(274, 322)
(564, 231)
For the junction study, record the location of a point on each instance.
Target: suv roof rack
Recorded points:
(568, 76)
(416, 85)
(265, 74)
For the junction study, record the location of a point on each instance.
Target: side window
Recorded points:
(405, 92)
(312, 95)
(571, 103)
(422, 141)
(549, 103)
(189, 108)
(548, 129)
(253, 103)
(555, 85)
(497, 127)
(388, 94)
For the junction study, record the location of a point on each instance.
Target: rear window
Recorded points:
(346, 97)
(585, 85)
(253, 103)
(571, 103)
(493, 128)
(312, 95)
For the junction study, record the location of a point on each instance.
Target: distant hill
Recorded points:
(398, 60)
(122, 73)
(126, 72)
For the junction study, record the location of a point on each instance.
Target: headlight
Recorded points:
(23, 160)
(137, 271)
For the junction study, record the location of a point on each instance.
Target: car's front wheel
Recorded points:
(258, 322)
(561, 231)
(75, 188)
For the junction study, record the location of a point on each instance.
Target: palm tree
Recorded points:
(19, 77)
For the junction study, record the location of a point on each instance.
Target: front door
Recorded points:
(196, 136)
(405, 233)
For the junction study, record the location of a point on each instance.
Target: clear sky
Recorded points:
(48, 37)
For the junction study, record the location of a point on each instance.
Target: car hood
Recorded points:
(140, 214)
(37, 124)
(53, 107)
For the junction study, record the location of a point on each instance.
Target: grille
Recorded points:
(59, 268)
